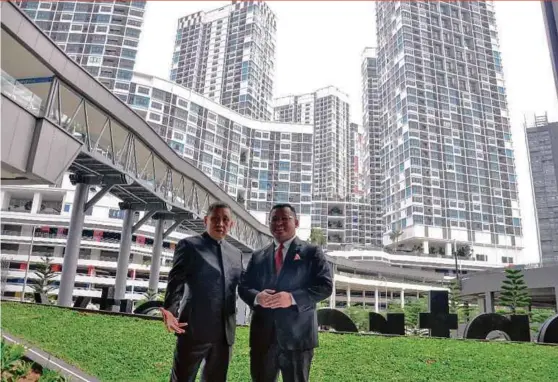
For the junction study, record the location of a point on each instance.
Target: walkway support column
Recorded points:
(332, 302)
(124, 253)
(376, 301)
(489, 302)
(348, 295)
(71, 256)
(402, 298)
(156, 256)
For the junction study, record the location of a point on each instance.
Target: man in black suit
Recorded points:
(200, 302)
(283, 282)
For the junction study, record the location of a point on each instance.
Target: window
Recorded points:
(67, 207)
(284, 166)
(143, 90)
(97, 49)
(124, 74)
(132, 32)
(129, 53)
(122, 86)
(139, 101)
(94, 60)
(155, 117)
(104, 19)
(116, 214)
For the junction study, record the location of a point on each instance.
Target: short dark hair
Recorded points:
(217, 205)
(280, 206)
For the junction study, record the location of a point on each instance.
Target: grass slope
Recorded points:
(129, 349)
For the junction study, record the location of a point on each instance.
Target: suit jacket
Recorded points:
(202, 288)
(308, 278)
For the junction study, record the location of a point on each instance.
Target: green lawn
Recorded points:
(129, 349)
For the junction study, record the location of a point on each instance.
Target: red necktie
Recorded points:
(279, 258)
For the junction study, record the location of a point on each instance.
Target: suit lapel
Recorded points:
(269, 252)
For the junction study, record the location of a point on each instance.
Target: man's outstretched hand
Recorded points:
(171, 322)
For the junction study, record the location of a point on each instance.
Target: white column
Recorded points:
(448, 249)
(376, 301)
(137, 258)
(332, 302)
(75, 232)
(156, 256)
(556, 295)
(348, 295)
(425, 248)
(58, 252)
(364, 299)
(5, 197)
(26, 231)
(124, 255)
(95, 254)
(402, 298)
(482, 305)
(37, 201)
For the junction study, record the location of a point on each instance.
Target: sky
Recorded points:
(320, 44)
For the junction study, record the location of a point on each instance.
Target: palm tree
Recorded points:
(394, 236)
(317, 237)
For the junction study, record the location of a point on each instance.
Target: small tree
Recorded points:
(317, 237)
(45, 276)
(465, 252)
(152, 295)
(394, 237)
(454, 296)
(514, 290)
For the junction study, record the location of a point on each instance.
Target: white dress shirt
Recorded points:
(286, 245)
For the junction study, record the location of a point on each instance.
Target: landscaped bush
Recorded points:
(132, 349)
(16, 368)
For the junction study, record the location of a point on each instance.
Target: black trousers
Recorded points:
(188, 357)
(265, 364)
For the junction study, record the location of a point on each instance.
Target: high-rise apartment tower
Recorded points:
(542, 141)
(328, 110)
(447, 158)
(102, 36)
(371, 123)
(228, 55)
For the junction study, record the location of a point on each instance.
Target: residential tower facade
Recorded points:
(371, 123)
(258, 163)
(447, 156)
(102, 36)
(542, 141)
(228, 55)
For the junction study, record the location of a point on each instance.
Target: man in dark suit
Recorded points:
(283, 282)
(200, 302)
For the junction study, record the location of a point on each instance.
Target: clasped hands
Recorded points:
(268, 298)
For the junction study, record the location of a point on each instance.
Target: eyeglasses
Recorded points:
(283, 219)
